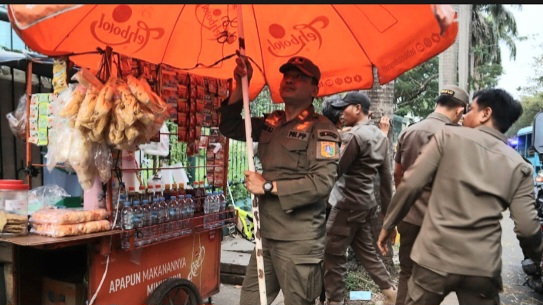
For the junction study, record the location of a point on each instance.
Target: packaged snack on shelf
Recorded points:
(61, 230)
(67, 216)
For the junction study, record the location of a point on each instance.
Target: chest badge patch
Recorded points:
(327, 150)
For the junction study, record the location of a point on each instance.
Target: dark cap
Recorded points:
(455, 92)
(303, 64)
(353, 98)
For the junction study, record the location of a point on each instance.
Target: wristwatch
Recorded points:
(268, 187)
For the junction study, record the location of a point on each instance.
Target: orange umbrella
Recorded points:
(345, 41)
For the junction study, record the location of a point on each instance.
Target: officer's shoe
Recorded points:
(390, 295)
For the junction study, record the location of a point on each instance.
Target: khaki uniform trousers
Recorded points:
(408, 233)
(295, 267)
(346, 228)
(426, 287)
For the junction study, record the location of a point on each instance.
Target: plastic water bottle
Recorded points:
(155, 212)
(146, 217)
(215, 209)
(146, 213)
(190, 214)
(222, 206)
(163, 215)
(173, 209)
(207, 211)
(138, 214)
(190, 205)
(163, 218)
(127, 216)
(138, 223)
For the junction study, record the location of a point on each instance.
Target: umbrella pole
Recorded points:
(250, 156)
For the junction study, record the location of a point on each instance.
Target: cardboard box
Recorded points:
(62, 293)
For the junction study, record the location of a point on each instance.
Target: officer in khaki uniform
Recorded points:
(298, 149)
(476, 177)
(364, 155)
(450, 106)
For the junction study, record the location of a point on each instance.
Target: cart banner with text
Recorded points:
(133, 275)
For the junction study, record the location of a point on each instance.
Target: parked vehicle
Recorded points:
(533, 269)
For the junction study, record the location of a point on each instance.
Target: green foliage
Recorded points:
(415, 91)
(535, 81)
(531, 105)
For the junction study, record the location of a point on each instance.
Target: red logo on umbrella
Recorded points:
(114, 31)
(285, 44)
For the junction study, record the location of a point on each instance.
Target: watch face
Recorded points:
(268, 186)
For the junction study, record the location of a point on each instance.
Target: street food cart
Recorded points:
(94, 268)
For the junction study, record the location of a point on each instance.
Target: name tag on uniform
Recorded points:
(298, 135)
(327, 150)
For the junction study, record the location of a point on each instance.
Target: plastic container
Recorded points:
(14, 202)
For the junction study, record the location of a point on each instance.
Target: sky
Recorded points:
(517, 72)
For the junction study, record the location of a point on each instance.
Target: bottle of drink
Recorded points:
(173, 211)
(189, 203)
(138, 223)
(196, 197)
(208, 211)
(182, 210)
(181, 188)
(155, 212)
(167, 192)
(138, 214)
(141, 193)
(164, 215)
(150, 192)
(127, 216)
(146, 208)
(216, 208)
(158, 190)
(131, 195)
(163, 218)
(173, 208)
(175, 191)
(222, 206)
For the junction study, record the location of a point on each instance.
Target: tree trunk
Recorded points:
(448, 62)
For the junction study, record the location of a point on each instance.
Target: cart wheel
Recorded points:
(175, 292)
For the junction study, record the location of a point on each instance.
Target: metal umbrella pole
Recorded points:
(250, 156)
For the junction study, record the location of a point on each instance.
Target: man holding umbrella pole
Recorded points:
(298, 149)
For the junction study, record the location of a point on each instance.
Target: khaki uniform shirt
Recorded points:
(363, 156)
(410, 142)
(301, 156)
(477, 177)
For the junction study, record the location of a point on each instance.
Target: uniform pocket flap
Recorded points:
(294, 145)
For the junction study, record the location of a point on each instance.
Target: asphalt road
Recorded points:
(514, 292)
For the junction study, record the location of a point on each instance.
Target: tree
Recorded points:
(531, 105)
(490, 24)
(535, 83)
(415, 91)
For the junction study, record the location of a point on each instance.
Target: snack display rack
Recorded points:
(182, 269)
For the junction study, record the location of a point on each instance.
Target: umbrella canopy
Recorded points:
(345, 41)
